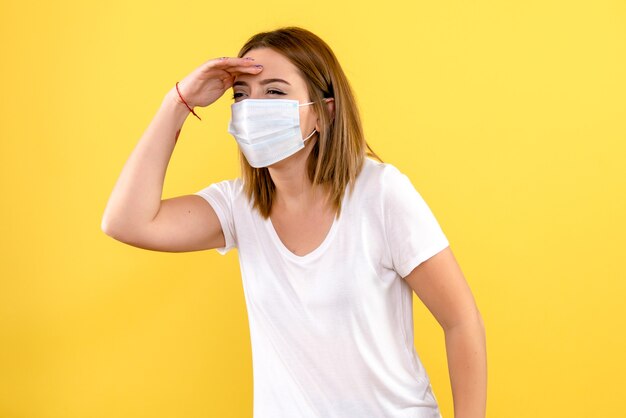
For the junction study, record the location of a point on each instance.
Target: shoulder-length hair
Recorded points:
(339, 153)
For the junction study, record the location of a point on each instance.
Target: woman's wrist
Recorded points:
(173, 102)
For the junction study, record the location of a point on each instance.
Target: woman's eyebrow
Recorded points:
(262, 82)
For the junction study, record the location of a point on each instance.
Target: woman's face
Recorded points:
(279, 79)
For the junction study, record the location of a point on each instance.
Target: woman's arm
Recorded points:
(136, 197)
(135, 212)
(441, 286)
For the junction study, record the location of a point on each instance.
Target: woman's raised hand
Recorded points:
(208, 82)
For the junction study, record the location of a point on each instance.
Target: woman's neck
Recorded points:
(294, 190)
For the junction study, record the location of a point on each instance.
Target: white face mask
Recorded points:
(267, 130)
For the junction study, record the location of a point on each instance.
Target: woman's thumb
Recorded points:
(228, 82)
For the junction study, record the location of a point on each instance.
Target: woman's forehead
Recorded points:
(275, 66)
(264, 52)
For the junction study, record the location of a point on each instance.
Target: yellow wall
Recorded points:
(509, 117)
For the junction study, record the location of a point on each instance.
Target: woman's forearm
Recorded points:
(467, 364)
(136, 197)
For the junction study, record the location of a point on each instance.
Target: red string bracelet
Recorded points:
(181, 98)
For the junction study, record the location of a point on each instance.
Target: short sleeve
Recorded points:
(220, 197)
(412, 232)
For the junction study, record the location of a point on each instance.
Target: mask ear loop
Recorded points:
(314, 130)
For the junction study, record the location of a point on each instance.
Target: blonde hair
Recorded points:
(339, 153)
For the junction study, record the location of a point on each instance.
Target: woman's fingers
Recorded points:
(232, 66)
(211, 79)
(228, 62)
(244, 70)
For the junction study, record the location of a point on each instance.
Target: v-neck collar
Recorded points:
(309, 256)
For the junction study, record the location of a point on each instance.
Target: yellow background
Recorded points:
(509, 117)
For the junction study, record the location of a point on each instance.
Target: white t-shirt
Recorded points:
(332, 331)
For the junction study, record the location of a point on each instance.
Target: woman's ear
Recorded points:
(330, 102)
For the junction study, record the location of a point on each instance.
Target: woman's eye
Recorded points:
(238, 95)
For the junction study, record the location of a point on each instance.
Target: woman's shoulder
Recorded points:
(229, 189)
(235, 184)
(376, 173)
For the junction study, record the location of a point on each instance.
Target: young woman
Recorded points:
(331, 243)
